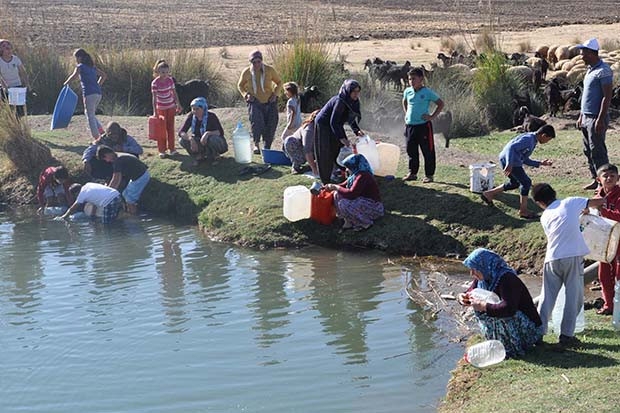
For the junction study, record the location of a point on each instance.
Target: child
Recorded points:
(293, 109)
(607, 177)
(299, 147)
(53, 188)
(418, 126)
(564, 257)
(166, 104)
(100, 196)
(12, 73)
(126, 166)
(515, 154)
(91, 79)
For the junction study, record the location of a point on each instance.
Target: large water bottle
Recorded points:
(555, 323)
(615, 318)
(367, 147)
(242, 144)
(484, 295)
(486, 353)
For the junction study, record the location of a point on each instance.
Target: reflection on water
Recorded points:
(168, 321)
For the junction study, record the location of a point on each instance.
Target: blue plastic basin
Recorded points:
(275, 157)
(65, 106)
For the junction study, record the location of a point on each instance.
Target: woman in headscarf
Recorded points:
(357, 200)
(299, 147)
(207, 139)
(514, 320)
(330, 135)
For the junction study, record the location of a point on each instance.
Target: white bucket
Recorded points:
(601, 236)
(481, 177)
(17, 96)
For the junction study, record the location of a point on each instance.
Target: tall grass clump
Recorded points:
(24, 153)
(610, 44)
(495, 89)
(309, 61)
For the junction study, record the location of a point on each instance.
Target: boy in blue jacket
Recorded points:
(515, 154)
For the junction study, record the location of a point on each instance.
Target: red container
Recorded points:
(322, 208)
(157, 128)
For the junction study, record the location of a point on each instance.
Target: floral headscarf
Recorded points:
(200, 103)
(344, 94)
(356, 163)
(491, 265)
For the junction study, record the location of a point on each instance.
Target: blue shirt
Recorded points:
(596, 77)
(88, 80)
(418, 103)
(517, 152)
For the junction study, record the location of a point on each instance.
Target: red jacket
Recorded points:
(611, 207)
(363, 185)
(47, 179)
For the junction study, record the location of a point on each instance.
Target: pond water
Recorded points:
(147, 316)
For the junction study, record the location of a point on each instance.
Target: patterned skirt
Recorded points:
(294, 150)
(517, 333)
(360, 212)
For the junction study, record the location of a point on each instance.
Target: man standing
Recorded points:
(260, 85)
(594, 118)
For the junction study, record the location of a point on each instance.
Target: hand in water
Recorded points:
(59, 218)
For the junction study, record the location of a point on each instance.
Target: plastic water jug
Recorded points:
(484, 295)
(601, 236)
(486, 353)
(344, 152)
(157, 128)
(555, 324)
(615, 318)
(242, 144)
(297, 203)
(389, 155)
(56, 210)
(322, 208)
(17, 96)
(368, 148)
(481, 176)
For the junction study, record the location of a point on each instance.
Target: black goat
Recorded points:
(553, 96)
(191, 90)
(309, 99)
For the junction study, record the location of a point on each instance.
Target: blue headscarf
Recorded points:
(201, 103)
(344, 94)
(491, 265)
(356, 163)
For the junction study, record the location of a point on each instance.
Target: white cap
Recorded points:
(591, 44)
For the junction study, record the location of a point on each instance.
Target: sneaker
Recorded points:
(174, 153)
(163, 155)
(410, 177)
(592, 185)
(256, 150)
(569, 342)
(427, 179)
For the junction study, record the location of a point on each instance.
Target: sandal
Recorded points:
(485, 199)
(604, 311)
(529, 216)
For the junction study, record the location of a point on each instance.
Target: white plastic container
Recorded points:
(615, 318)
(367, 147)
(17, 96)
(481, 176)
(555, 323)
(486, 353)
(389, 155)
(601, 236)
(297, 203)
(56, 210)
(344, 152)
(484, 295)
(242, 144)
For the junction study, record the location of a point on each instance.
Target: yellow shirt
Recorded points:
(271, 78)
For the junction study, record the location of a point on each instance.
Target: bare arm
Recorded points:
(115, 182)
(71, 76)
(23, 76)
(102, 76)
(438, 109)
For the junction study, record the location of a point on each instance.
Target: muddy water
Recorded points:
(146, 316)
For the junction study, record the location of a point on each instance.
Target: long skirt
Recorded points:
(294, 150)
(517, 333)
(360, 212)
(326, 148)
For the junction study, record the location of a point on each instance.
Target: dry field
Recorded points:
(216, 23)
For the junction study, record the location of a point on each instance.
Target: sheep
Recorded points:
(521, 72)
(308, 99)
(442, 124)
(551, 55)
(562, 53)
(542, 51)
(191, 90)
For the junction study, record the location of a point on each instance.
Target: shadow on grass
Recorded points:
(77, 149)
(227, 170)
(570, 358)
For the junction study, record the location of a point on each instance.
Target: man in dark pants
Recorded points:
(594, 117)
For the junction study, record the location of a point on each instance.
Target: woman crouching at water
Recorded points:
(514, 320)
(357, 200)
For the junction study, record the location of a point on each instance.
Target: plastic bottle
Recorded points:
(297, 203)
(367, 147)
(555, 323)
(486, 353)
(484, 295)
(242, 144)
(615, 318)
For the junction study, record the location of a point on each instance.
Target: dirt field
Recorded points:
(217, 23)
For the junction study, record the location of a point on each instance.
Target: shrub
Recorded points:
(610, 44)
(487, 41)
(525, 46)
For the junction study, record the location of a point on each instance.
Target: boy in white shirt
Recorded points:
(104, 198)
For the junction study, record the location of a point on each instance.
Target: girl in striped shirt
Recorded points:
(166, 104)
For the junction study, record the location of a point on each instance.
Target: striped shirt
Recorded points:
(163, 90)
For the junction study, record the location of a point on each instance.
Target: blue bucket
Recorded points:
(275, 157)
(65, 106)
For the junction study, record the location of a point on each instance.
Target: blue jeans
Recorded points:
(518, 179)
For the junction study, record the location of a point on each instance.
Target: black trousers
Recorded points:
(420, 137)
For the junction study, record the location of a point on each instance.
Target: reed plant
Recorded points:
(25, 154)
